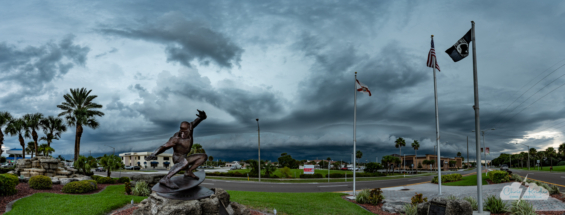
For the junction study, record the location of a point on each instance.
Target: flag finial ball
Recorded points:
(355, 72)
(432, 35)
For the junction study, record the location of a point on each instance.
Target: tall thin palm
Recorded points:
(561, 149)
(399, 143)
(30, 149)
(533, 154)
(79, 110)
(550, 153)
(33, 123)
(52, 127)
(18, 127)
(45, 149)
(416, 146)
(5, 118)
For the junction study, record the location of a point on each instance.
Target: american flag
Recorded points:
(432, 57)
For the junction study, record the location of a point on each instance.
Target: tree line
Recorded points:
(549, 156)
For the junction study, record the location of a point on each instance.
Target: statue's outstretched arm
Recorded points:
(161, 149)
(201, 116)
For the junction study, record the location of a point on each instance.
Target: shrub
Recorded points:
(285, 172)
(96, 177)
(561, 163)
(80, 186)
(495, 205)
(363, 196)
(498, 176)
(554, 190)
(448, 178)
(40, 182)
(315, 175)
(376, 196)
(6, 170)
(141, 189)
(452, 197)
(416, 199)
(410, 209)
(516, 177)
(128, 187)
(105, 180)
(522, 208)
(8, 184)
(124, 179)
(336, 175)
(473, 202)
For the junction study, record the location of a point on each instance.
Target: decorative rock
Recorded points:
(53, 165)
(25, 174)
(23, 180)
(455, 207)
(85, 178)
(12, 172)
(150, 179)
(394, 206)
(222, 195)
(49, 174)
(239, 209)
(65, 181)
(210, 206)
(55, 180)
(35, 164)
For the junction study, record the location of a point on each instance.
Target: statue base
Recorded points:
(217, 203)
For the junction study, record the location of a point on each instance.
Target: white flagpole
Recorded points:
(437, 127)
(354, 130)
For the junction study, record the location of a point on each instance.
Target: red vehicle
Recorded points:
(344, 168)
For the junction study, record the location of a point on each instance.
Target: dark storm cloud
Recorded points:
(185, 40)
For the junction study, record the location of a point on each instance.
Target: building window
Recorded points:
(138, 159)
(166, 158)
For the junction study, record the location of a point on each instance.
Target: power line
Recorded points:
(531, 87)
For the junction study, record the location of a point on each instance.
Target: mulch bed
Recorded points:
(376, 209)
(24, 190)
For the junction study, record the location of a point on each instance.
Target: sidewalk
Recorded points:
(404, 193)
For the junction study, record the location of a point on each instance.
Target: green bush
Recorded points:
(315, 175)
(141, 189)
(285, 172)
(376, 196)
(516, 177)
(128, 188)
(363, 196)
(105, 180)
(495, 205)
(498, 176)
(473, 202)
(561, 163)
(410, 209)
(40, 182)
(6, 170)
(417, 199)
(554, 190)
(522, 208)
(96, 177)
(124, 179)
(80, 186)
(452, 197)
(8, 184)
(448, 178)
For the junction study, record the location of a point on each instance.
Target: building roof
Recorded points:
(144, 154)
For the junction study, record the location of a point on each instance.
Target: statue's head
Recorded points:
(184, 126)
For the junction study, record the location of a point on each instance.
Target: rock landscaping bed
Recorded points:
(376, 209)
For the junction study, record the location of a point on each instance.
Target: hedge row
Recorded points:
(236, 174)
(448, 178)
(498, 176)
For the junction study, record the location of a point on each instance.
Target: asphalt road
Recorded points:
(557, 178)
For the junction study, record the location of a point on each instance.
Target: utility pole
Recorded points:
(467, 149)
(259, 148)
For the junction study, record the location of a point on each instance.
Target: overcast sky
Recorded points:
(291, 64)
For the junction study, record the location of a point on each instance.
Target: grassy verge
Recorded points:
(296, 172)
(297, 203)
(470, 180)
(111, 198)
(123, 170)
(545, 168)
(314, 180)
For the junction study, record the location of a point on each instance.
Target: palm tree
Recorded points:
(399, 143)
(550, 153)
(5, 118)
(52, 127)
(458, 154)
(388, 160)
(85, 164)
(533, 154)
(18, 127)
(211, 158)
(30, 149)
(78, 110)
(110, 163)
(561, 149)
(416, 146)
(358, 155)
(45, 149)
(33, 123)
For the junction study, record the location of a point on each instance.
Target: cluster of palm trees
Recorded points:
(400, 142)
(549, 155)
(78, 110)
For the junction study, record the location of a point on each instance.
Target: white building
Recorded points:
(138, 159)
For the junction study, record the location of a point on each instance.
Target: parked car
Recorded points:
(132, 168)
(100, 169)
(504, 167)
(234, 167)
(344, 168)
(7, 165)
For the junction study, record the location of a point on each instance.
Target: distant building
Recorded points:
(138, 159)
(15, 154)
(408, 160)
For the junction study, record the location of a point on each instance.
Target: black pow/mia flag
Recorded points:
(461, 48)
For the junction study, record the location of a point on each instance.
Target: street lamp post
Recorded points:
(484, 145)
(259, 148)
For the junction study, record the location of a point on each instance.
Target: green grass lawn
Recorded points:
(467, 181)
(297, 203)
(296, 172)
(545, 168)
(312, 180)
(111, 198)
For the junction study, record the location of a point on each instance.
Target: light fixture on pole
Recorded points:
(259, 148)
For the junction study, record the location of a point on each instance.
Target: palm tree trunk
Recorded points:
(1, 141)
(108, 170)
(79, 131)
(21, 139)
(34, 135)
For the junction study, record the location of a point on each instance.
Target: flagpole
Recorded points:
(354, 130)
(437, 127)
(477, 122)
